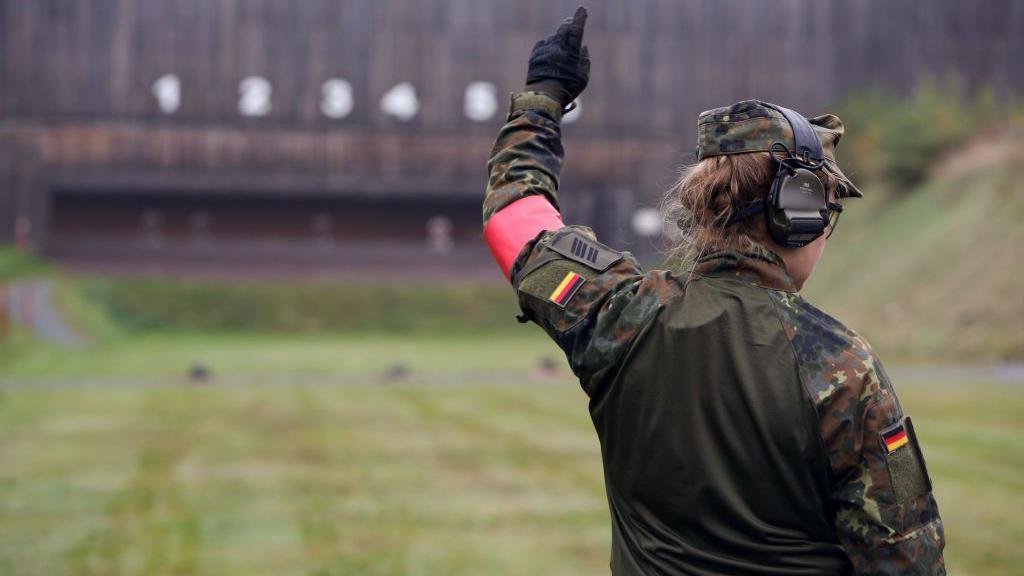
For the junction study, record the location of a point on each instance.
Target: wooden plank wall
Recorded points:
(657, 62)
(76, 80)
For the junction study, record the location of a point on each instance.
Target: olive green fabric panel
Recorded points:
(712, 459)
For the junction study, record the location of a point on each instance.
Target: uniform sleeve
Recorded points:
(590, 299)
(880, 495)
(886, 517)
(526, 159)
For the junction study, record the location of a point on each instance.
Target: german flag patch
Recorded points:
(895, 438)
(566, 289)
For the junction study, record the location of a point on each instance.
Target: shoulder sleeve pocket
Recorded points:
(558, 293)
(903, 458)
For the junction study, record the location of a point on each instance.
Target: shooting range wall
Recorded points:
(365, 108)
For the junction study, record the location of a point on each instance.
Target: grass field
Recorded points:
(302, 456)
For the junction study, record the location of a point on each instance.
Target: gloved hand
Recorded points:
(559, 66)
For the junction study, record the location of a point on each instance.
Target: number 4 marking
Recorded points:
(167, 91)
(401, 102)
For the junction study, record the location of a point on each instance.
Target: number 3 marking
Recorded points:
(336, 98)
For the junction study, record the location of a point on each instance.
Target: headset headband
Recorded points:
(806, 144)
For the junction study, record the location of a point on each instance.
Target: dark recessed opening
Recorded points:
(246, 231)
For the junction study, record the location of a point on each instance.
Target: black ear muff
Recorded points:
(797, 210)
(797, 205)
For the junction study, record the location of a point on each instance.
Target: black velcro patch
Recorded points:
(906, 463)
(575, 246)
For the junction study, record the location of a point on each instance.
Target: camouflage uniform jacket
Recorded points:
(743, 431)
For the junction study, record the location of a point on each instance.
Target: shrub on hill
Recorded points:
(897, 139)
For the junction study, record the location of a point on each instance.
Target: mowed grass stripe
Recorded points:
(282, 356)
(300, 480)
(398, 479)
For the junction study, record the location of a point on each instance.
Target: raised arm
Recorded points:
(521, 198)
(592, 300)
(527, 156)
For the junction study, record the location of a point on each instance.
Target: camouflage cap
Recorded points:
(750, 126)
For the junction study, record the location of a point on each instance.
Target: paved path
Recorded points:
(32, 306)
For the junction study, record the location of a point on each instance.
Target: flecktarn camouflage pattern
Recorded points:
(750, 126)
(525, 160)
(856, 403)
(743, 431)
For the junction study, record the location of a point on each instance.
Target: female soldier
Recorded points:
(743, 431)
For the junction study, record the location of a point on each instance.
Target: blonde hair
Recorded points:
(708, 193)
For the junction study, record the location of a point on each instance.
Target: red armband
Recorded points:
(513, 226)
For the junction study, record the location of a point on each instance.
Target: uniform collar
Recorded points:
(755, 264)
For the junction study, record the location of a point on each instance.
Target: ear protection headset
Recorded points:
(796, 208)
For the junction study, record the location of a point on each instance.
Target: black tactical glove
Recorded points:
(559, 66)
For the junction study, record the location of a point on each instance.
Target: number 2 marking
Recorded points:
(254, 96)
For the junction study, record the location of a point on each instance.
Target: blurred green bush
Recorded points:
(144, 305)
(896, 139)
(17, 263)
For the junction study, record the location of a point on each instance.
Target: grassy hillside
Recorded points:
(935, 273)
